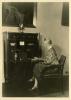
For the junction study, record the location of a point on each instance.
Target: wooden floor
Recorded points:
(47, 89)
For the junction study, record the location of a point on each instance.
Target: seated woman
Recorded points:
(51, 58)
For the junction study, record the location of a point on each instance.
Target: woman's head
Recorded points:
(50, 42)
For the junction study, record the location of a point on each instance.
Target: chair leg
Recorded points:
(62, 87)
(59, 84)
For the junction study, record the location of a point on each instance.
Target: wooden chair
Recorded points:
(54, 71)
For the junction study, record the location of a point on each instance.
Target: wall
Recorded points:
(49, 24)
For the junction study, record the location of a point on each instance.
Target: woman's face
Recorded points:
(46, 41)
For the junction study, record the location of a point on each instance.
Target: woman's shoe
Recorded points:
(34, 88)
(31, 79)
(35, 85)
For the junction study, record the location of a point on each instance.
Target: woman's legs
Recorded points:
(37, 72)
(35, 84)
(39, 67)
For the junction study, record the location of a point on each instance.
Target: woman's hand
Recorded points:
(35, 59)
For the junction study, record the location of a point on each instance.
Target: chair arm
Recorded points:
(52, 68)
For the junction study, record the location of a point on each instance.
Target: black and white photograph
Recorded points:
(35, 49)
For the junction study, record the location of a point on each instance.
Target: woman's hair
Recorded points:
(50, 42)
(45, 39)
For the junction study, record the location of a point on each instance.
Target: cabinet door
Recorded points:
(17, 66)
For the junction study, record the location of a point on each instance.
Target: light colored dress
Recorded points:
(51, 58)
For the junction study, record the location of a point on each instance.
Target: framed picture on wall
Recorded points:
(15, 13)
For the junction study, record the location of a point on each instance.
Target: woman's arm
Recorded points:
(36, 59)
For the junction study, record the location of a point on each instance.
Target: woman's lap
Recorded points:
(38, 69)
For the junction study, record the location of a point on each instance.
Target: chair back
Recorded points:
(62, 60)
(54, 70)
